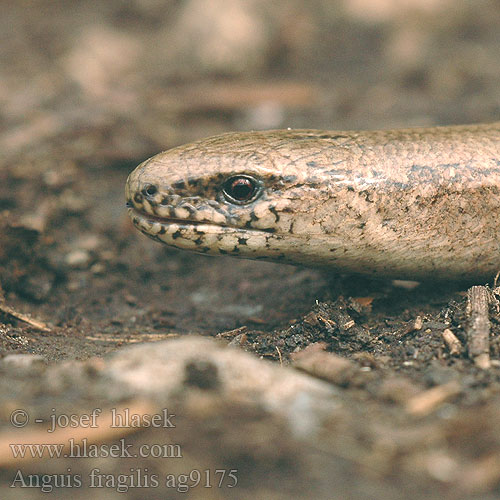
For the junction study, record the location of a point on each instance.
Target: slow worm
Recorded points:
(417, 203)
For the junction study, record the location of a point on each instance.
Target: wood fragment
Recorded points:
(427, 401)
(279, 356)
(39, 325)
(364, 303)
(478, 326)
(309, 348)
(325, 365)
(412, 326)
(230, 334)
(418, 323)
(239, 340)
(133, 339)
(454, 345)
(495, 281)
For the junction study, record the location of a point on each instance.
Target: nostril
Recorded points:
(150, 190)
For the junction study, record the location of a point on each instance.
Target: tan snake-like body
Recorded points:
(415, 203)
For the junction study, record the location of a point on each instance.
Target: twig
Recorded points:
(454, 345)
(478, 327)
(279, 356)
(413, 326)
(427, 401)
(39, 325)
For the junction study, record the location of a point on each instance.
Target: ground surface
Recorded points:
(90, 90)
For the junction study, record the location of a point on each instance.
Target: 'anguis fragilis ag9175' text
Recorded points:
(417, 203)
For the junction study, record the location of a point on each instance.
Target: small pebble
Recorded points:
(78, 259)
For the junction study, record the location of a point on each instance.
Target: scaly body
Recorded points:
(416, 203)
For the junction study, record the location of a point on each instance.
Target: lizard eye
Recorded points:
(240, 189)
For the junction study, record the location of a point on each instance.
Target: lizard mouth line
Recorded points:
(168, 220)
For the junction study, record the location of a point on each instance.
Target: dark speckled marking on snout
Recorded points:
(276, 215)
(179, 185)
(253, 217)
(189, 208)
(138, 198)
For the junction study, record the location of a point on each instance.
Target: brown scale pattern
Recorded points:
(415, 203)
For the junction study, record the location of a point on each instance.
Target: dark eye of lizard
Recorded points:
(240, 189)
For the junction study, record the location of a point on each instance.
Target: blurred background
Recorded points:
(122, 79)
(89, 89)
